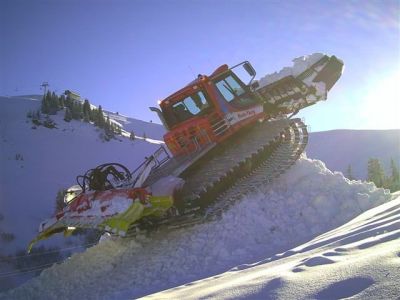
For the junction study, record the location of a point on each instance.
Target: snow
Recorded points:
(245, 243)
(167, 185)
(300, 64)
(360, 259)
(303, 66)
(153, 131)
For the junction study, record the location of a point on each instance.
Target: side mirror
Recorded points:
(249, 69)
(161, 116)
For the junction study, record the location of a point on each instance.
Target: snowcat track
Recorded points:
(285, 155)
(240, 160)
(283, 158)
(257, 163)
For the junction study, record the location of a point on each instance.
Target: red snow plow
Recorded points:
(220, 128)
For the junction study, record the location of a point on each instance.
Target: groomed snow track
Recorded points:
(255, 157)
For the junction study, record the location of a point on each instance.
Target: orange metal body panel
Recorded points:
(188, 136)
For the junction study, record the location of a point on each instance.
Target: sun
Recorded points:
(381, 103)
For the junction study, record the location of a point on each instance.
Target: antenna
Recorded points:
(45, 85)
(190, 68)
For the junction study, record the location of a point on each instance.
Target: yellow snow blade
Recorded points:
(118, 224)
(48, 233)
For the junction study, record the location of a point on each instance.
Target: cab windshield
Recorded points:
(189, 107)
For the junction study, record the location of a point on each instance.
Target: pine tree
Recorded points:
(394, 182)
(132, 136)
(61, 101)
(375, 172)
(77, 110)
(68, 115)
(45, 108)
(86, 111)
(68, 102)
(36, 118)
(80, 106)
(395, 170)
(349, 172)
(100, 121)
(53, 104)
(108, 128)
(114, 128)
(93, 116)
(86, 117)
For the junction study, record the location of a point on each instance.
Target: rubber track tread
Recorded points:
(264, 169)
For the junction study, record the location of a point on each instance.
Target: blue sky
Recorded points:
(126, 55)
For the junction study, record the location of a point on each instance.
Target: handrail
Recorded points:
(154, 157)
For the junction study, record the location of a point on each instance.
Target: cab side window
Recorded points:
(229, 88)
(225, 91)
(234, 92)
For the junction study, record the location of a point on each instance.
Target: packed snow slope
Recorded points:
(360, 259)
(139, 127)
(306, 201)
(339, 148)
(36, 163)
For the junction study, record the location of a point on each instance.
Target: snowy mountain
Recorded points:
(339, 148)
(307, 201)
(139, 127)
(37, 163)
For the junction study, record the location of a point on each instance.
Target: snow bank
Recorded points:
(306, 201)
(358, 260)
(300, 64)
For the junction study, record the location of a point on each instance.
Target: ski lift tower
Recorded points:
(45, 85)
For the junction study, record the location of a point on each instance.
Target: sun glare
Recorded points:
(381, 107)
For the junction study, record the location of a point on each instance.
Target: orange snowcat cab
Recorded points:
(209, 109)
